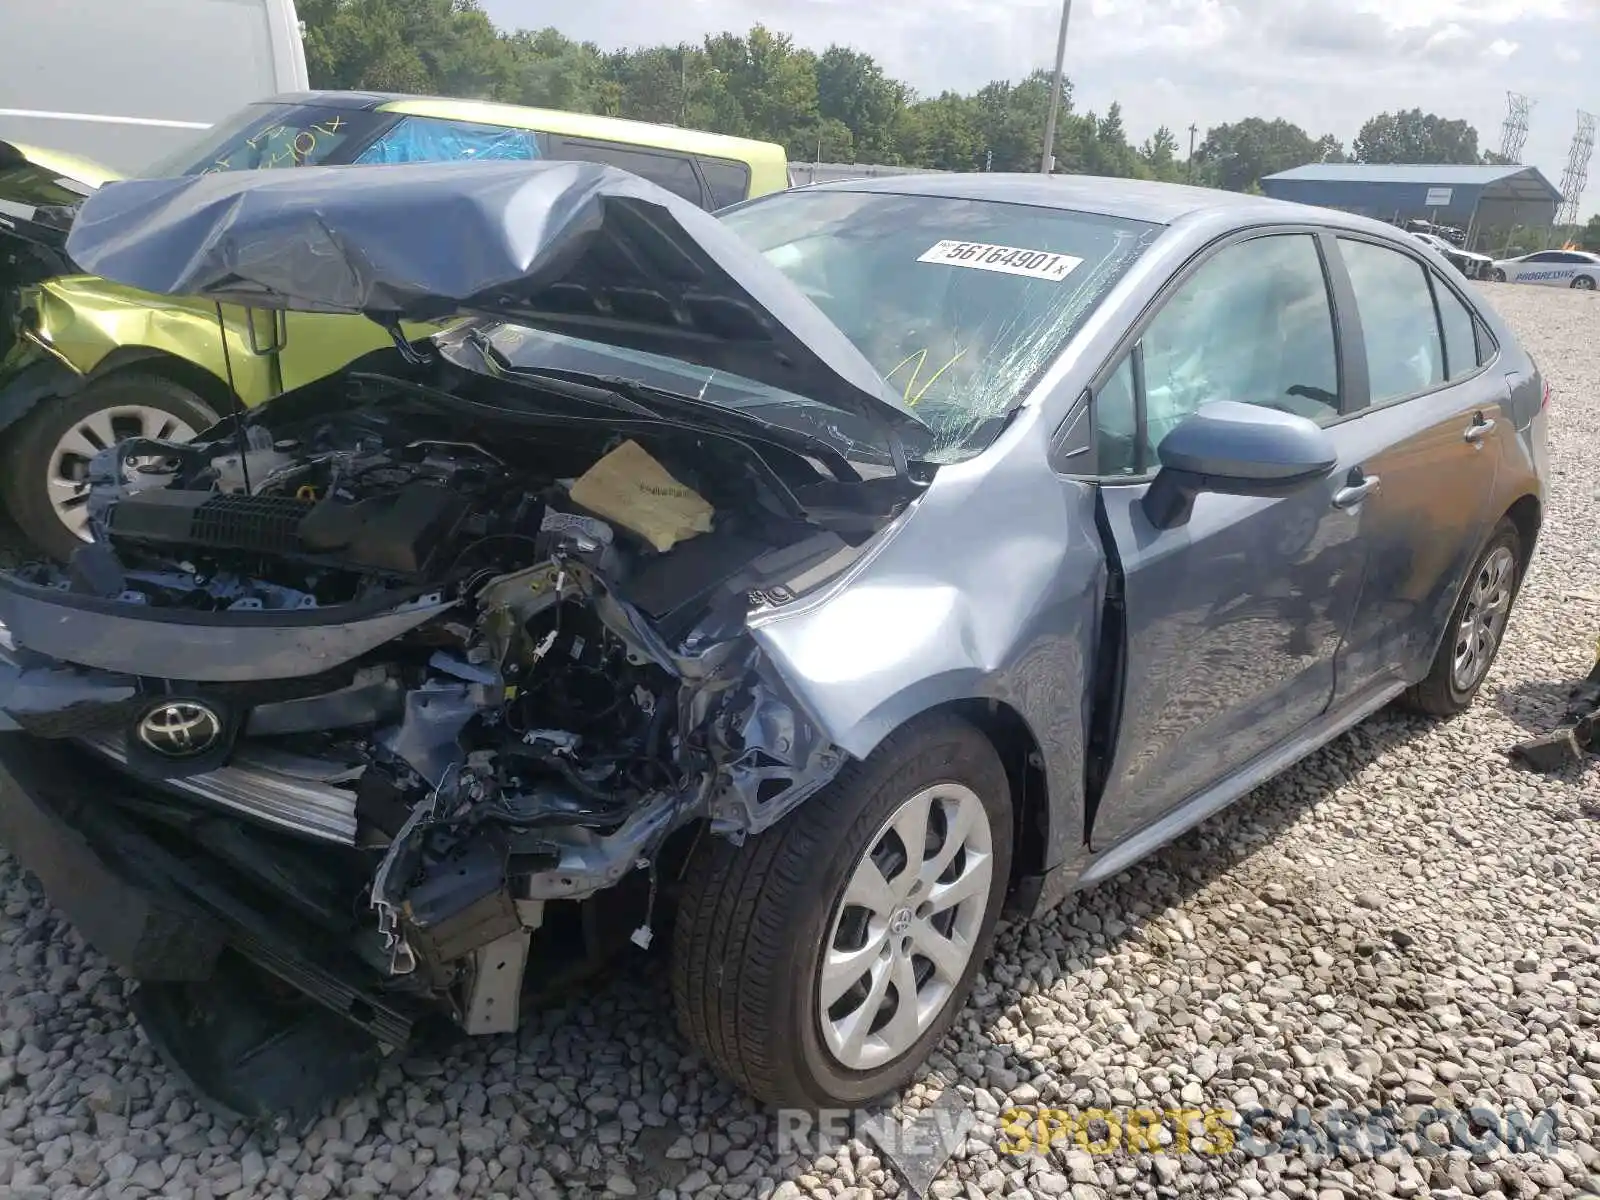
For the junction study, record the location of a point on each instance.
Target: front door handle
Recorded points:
(1355, 491)
(1477, 431)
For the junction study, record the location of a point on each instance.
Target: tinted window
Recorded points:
(264, 136)
(1460, 337)
(729, 182)
(1544, 256)
(671, 171)
(1253, 324)
(432, 139)
(1398, 322)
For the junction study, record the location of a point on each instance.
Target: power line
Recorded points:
(1514, 133)
(1576, 176)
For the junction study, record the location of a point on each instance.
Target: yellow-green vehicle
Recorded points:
(85, 363)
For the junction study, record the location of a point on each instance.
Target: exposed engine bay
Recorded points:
(470, 659)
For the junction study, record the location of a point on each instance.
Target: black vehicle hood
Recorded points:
(38, 199)
(574, 248)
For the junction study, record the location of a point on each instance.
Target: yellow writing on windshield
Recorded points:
(920, 357)
(281, 145)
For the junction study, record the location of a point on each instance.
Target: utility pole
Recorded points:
(1048, 162)
(1193, 128)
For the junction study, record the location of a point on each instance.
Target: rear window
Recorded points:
(729, 182)
(674, 172)
(270, 136)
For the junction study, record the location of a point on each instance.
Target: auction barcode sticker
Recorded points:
(1010, 260)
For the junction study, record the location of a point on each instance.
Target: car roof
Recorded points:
(1137, 199)
(546, 120)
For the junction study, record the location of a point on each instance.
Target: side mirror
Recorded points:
(1237, 450)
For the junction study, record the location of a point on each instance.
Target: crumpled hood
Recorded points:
(575, 248)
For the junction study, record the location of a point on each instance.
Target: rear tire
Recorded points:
(1477, 628)
(49, 448)
(765, 934)
(1584, 283)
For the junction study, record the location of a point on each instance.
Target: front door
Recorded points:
(1233, 617)
(1431, 436)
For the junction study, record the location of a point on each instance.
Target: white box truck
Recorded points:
(125, 82)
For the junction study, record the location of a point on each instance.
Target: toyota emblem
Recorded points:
(182, 729)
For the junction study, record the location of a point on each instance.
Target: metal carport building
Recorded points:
(1491, 203)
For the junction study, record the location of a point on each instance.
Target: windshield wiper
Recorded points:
(662, 404)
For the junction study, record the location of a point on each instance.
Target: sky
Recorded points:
(1326, 65)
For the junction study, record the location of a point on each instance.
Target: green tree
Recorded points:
(1239, 155)
(853, 92)
(1589, 237)
(1159, 156)
(1413, 136)
(943, 132)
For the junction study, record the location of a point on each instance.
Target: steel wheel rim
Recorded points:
(67, 473)
(906, 926)
(1483, 621)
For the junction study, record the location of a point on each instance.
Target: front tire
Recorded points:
(1496, 275)
(1476, 630)
(821, 962)
(46, 457)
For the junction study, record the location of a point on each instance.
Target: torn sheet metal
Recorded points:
(1578, 733)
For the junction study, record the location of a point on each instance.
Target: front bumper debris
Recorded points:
(1578, 733)
(201, 947)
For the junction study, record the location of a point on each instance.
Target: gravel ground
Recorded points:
(1404, 920)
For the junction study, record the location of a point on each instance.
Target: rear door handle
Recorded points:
(1355, 493)
(1477, 431)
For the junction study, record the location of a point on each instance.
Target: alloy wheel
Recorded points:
(1583, 283)
(68, 469)
(1483, 620)
(905, 930)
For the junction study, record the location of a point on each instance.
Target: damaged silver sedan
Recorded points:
(826, 576)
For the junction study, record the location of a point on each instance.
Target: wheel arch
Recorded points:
(1020, 752)
(183, 371)
(1527, 514)
(45, 379)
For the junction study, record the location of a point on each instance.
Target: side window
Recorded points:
(728, 182)
(1544, 256)
(671, 171)
(1460, 336)
(1116, 423)
(1253, 324)
(1404, 352)
(431, 139)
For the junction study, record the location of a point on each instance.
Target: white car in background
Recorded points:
(1473, 266)
(1552, 268)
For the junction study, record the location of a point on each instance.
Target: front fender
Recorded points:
(93, 323)
(988, 588)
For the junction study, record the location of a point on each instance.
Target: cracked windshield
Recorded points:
(958, 304)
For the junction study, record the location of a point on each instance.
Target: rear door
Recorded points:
(1233, 617)
(1431, 432)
